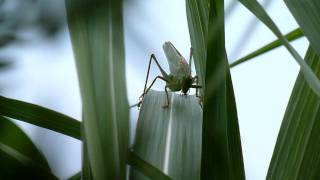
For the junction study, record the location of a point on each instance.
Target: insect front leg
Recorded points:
(197, 95)
(196, 79)
(167, 104)
(196, 87)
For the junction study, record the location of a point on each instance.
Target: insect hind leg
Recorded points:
(148, 89)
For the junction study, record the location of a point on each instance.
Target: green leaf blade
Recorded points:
(19, 157)
(296, 154)
(170, 138)
(39, 116)
(97, 37)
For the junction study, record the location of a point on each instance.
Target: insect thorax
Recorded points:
(176, 84)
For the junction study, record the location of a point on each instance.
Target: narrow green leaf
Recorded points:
(170, 138)
(12, 136)
(307, 15)
(221, 146)
(97, 37)
(291, 36)
(15, 165)
(39, 116)
(260, 13)
(296, 154)
(144, 167)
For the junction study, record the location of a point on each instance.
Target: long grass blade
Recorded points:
(296, 154)
(97, 37)
(39, 116)
(291, 36)
(260, 13)
(221, 146)
(169, 138)
(307, 15)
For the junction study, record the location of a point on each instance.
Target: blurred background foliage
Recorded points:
(21, 18)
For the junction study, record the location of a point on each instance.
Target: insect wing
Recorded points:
(177, 64)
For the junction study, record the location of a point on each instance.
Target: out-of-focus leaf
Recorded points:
(19, 157)
(97, 38)
(260, 13)
(4, 64)
(6, 39)
(170, 138)
(221, 146)
(77, 176)
(39, 116)
(307, 14)
(297, 151)
(291, 36)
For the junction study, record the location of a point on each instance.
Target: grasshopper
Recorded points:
(179, 79)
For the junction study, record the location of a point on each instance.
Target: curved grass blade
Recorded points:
(40, 116)
(296, 154)
(142, 166)
(169, 138)
(97, 37)
(15, 165)
(307, 15)
(12, 136)
(291, 36)
(260, 13)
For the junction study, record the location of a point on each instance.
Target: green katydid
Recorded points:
(179, 79)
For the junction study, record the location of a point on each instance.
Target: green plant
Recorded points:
(207, 142)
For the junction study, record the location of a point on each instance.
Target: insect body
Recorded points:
(179, 79)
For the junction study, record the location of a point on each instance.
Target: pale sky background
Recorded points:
(46, 75)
